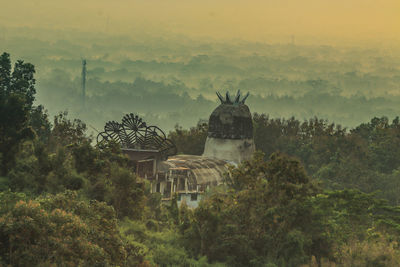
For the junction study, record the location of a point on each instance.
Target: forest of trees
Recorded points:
(315, 193)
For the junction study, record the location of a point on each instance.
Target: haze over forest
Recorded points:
(314, 193)
(165, 59)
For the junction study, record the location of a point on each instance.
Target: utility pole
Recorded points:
(83, 83)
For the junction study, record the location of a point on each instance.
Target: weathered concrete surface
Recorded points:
(231, 121)
(230, 131)
(236, 150)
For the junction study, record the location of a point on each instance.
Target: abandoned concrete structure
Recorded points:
(229, 141)
(230, 131)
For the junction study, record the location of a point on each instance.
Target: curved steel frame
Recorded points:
(133, 133)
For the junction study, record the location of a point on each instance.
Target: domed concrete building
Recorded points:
(229, 142)
(230, 131)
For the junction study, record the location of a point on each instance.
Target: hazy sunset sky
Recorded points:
(243, 19)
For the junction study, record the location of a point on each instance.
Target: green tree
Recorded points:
(39, 121)
(263, 219)
(60, 230)
(190, 141)
(126, 194)
(16, 98)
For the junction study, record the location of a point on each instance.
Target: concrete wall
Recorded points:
(236, 150)
(187, 198)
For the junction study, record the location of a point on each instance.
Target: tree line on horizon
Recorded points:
(345, 84)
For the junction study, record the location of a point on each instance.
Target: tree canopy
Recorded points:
(306, 198)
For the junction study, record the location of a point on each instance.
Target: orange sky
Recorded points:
(250, 19)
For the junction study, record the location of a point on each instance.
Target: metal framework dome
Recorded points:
(133, 133)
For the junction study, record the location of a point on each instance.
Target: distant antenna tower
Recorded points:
(83, 82)
(292, 37)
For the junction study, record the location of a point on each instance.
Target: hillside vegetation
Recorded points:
(314, 194)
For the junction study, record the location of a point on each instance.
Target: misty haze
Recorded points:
(115, 149)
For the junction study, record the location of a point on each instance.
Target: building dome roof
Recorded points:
(231, 119)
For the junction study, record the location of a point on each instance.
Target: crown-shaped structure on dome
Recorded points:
(236, 101)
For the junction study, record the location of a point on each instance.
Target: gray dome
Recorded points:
(231, 119)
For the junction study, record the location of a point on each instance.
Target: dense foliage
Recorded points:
(65, 202)
(190, 141)
(366, 157)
